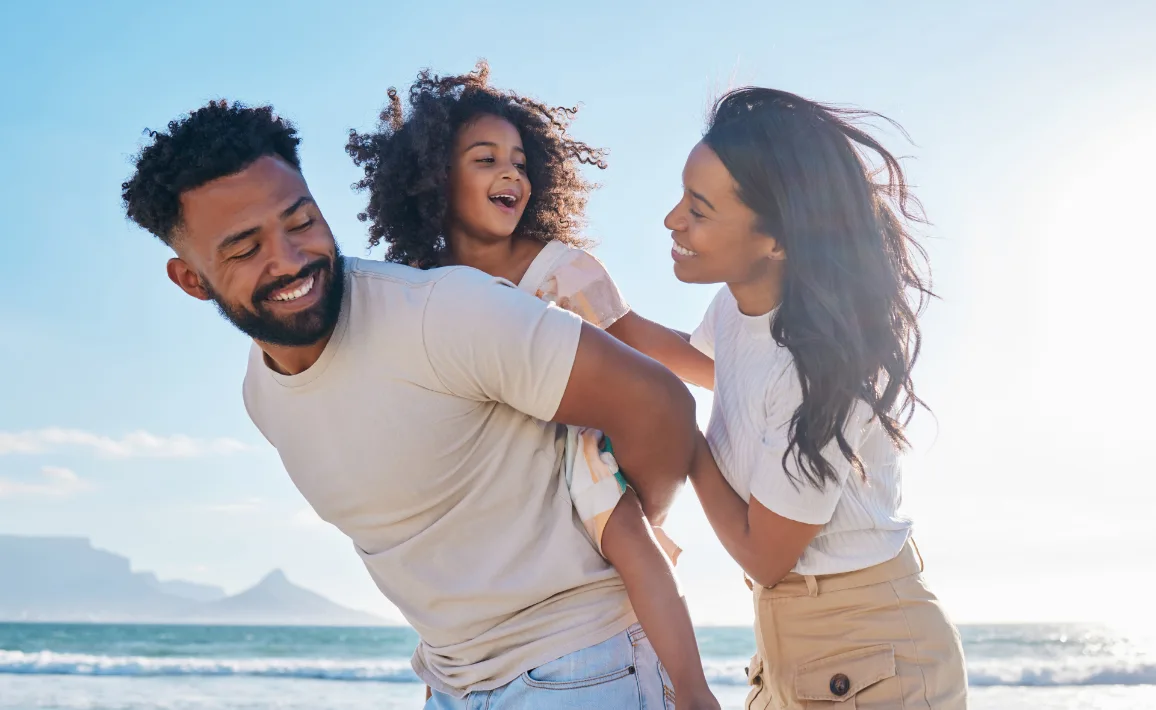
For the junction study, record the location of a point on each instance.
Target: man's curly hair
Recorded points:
(212, 142)
(406, 162)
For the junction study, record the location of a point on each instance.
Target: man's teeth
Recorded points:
(295, 293)
(680, 249)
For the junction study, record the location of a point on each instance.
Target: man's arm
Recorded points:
(644, 409)
(488, 341)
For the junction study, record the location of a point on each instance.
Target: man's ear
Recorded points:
(186, 278)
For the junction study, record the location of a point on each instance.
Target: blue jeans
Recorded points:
(621, 673)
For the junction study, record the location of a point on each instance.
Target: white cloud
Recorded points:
(54, 481)
(137, 444)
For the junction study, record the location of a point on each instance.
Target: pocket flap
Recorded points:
(754, 670)
(837, 678)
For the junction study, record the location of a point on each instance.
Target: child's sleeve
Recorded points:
(596, 484)
(582, 286)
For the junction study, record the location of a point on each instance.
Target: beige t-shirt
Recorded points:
(422, 434)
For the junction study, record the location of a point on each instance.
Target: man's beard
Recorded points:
(297, 329)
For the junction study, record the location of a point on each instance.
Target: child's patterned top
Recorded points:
(577, 281)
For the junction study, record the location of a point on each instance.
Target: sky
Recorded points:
(1032, 151)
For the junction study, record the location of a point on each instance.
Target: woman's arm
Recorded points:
(671, 348)
(766, 545)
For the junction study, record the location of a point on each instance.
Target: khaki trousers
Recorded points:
(870, 639)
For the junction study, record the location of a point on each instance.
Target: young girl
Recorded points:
(485, 178)
(814, 339)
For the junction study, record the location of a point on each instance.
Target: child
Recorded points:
(488, 179)
(814, 338)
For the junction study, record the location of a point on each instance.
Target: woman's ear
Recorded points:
(773, 249)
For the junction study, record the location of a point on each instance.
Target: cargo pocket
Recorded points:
(760, 696)
(836, 681)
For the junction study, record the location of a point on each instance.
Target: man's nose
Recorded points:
(287, 258)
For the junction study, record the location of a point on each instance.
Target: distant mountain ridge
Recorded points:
(67, 579)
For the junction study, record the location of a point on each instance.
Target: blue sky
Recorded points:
(120, 409)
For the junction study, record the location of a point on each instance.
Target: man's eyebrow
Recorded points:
(234, 238)
(301, 202)
(243, 235)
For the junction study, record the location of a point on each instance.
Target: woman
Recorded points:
(814, 339)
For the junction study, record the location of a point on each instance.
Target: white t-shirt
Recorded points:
(422, 433)
(756, 393)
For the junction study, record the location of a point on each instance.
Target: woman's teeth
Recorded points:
(680, 249)
(295, 293)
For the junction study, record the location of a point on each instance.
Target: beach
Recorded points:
(139, 667)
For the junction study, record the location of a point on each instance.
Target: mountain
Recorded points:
(277, 601)
(63, 578)
(190, 590)
(67, 579)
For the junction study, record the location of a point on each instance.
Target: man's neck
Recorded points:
(293, 360)
(506, 259)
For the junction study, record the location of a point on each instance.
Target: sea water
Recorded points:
(147, 667)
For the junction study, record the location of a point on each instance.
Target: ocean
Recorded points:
(152, 667)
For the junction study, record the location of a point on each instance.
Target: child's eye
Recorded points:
(484, 160)
(520, 166)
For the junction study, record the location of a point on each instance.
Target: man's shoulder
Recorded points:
(385, 274)
(388, 272)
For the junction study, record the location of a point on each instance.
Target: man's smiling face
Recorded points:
(256, 244)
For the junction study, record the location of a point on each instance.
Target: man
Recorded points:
(411, 409)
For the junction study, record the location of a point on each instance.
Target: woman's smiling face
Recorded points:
(716, 239)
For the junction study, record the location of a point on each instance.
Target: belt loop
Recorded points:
(812, 585)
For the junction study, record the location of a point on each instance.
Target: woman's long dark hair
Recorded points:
(852, 288)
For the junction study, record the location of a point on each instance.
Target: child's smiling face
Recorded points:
(489, 188)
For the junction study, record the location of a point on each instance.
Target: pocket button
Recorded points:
(840, 685)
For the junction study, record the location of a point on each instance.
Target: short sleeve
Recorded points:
(581, 284)
(799, 500)
(488, 341)
(703, 336)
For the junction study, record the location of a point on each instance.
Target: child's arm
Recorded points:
(629, 544)
(671, 348)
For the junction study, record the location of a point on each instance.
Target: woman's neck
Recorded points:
(508, 259)
(760, 294)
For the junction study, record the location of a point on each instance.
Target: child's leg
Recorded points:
(629, 544)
